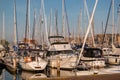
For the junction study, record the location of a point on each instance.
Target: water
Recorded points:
(52, 73)
(24, 75)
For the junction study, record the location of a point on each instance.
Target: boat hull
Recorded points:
(112, 60)
(92, 62)
(33, 65)
(63, 63)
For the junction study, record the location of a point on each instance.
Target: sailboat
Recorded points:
(10, 59)
(31, 61)
(29, 55)
(112, 55)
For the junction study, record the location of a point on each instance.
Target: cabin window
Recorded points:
(92, 53)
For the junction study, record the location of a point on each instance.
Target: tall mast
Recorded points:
(106, 23)
(50, 22)
(41, 22)
(65, 25)
(3, 29)
(56, 22)
(29, 21)
(63, 18)
(26, 26)
(79, 25)
(44, 20)
(15, 25)
(92, 28)
(84, 17)
(34, 26)
(112, 21)
(118, 24)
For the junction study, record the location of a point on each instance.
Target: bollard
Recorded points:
(58, 66)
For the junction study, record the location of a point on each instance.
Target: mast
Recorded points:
(84, 18)
(34, 26)
(50, 22)
(56, 23)
(15, 25)
(88, 29)
(44, 20)
(41, 22)
(79, 25)
(102, 28)
(63, 18)
(3, 29)
(112, 21)
(67, 24)
(106, 23)
(27, 23)
(92, 28)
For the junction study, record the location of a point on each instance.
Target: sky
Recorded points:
(73, 8)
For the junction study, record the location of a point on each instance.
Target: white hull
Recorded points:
(112, 60)
(94, 62)
(10, 62)
(33, 65)
(63, 63)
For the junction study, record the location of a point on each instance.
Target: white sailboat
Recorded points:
(29, 55)
(30, 59)
(10, 57)
(112, 56)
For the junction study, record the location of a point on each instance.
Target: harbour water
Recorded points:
(50, 74)
(25, 75)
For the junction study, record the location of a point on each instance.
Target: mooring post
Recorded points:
(58, 66)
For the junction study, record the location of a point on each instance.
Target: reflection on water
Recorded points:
(29, 75)
(24, 75)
